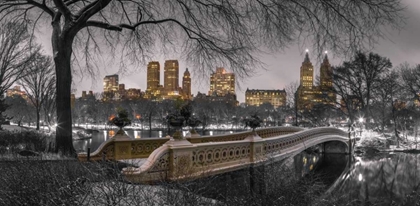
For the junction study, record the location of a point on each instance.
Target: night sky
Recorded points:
(281, 68)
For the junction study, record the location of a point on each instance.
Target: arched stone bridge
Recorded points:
(210, 155)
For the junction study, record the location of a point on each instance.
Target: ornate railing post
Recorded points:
(257, 143)
(122, 149)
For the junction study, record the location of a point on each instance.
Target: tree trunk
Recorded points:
(62, 58)
(37, 119)
(150, 125)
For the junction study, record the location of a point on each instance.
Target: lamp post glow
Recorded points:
(361, 120)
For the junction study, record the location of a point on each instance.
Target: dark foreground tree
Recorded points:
(207, 32)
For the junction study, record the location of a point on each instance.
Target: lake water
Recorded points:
(381, 179)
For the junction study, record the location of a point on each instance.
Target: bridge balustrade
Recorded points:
(119, 149)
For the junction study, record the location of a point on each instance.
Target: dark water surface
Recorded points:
(381, 179)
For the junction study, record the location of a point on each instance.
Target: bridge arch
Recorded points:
(176, 160)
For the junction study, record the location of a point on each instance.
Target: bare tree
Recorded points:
(15, 54)
(39, 83)
(208, 33)
(384, 95)
(411, 80)
(19, 110)
(355, 81)
(291, 99)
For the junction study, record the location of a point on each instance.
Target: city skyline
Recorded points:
(282, 67)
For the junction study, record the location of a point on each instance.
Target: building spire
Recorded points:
(326, 61)
(307, 56)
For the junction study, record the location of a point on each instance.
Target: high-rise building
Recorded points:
(171, 76)
(307, 73)
(111, 83)
(222, 83)
(153, 76)
(256, 97)
(186, 84)
(87, 95)
(110, 86)
(307, 94)
(326, 73)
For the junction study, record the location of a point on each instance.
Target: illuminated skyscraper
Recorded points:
(171, 76)
(111, 83)
(307, 94)
(110, 86)
(307, 73)
(222, 83)
(186, 84)
(326, 73)
(153, 76)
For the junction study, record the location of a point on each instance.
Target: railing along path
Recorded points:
(124, 148)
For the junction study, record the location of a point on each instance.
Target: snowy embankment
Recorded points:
(387, 142)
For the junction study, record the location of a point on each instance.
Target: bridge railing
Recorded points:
(273, 146)
(118, 149)
(180, 160)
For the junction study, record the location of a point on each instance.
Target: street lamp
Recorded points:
(361, 125)
(138, 116)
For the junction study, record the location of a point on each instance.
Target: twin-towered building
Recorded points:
(307, 94)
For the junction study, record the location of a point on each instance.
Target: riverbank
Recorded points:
(372, 142)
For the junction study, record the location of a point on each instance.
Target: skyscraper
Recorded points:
(110, 86)
(153, 76)
(326, 73)
(307, 94)
(307, 73)
(171, 76)
(186, 84)
(111, 83)
(222, 83)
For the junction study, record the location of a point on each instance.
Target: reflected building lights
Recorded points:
(137, 135)
(105, 135)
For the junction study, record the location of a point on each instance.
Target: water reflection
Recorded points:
(382, 179)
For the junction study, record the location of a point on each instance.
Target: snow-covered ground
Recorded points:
(387, 141)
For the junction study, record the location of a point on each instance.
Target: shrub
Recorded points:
(15, 141)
